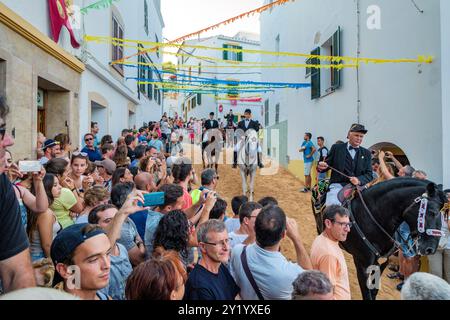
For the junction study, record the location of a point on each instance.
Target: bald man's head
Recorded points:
(144, 182)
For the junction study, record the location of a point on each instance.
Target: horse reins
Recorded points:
(396, 243)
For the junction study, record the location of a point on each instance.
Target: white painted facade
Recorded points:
(105, 96)
(209, 69)
(398, 103)
(445, 71)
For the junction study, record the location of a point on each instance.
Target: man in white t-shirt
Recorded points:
(247, 216)
(272, 272)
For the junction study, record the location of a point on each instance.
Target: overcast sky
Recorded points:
(182, 17)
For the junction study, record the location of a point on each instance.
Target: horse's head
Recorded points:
(425, 220)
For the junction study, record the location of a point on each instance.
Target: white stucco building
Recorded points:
(195, 62)
(103, 93)
(404, 106)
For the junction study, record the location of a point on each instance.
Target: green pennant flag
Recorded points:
(102, 4)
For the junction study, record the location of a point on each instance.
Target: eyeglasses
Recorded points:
(344, 224)
(223, 243)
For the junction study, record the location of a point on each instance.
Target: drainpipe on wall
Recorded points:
(358, 53)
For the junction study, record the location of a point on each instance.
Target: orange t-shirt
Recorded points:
(327, 256)
(187, 200)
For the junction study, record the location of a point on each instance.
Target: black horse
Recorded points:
(390, 203)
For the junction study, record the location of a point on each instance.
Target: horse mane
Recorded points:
(396, 183)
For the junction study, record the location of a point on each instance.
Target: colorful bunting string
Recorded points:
(228, 21)
(357, 61)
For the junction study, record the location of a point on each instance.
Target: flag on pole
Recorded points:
(60, 18)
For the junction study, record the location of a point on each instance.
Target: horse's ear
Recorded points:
(432, 189)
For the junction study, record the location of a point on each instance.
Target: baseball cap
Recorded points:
(70, 238)
(49, 143)
(108, 164)
(356, 127)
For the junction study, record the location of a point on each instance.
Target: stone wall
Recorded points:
(24, 63)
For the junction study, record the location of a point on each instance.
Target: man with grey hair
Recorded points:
(312, 285)
(16, 271)
(425, 286)
(210, 279)
(419, 174)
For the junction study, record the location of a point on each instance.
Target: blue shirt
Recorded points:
(308, 151)
(151, 224)
(157, 144)
(205, 285)
(94, 155)
(139, 218)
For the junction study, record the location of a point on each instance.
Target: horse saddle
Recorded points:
(346, 194)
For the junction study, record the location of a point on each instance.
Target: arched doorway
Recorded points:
(398, 152)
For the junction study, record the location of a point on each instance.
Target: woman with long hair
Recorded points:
(78, 165)
(122, 175)
(121, 156)
(66, 145)
(43, 227)
(70, 199)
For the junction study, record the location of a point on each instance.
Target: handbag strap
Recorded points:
(249, 274)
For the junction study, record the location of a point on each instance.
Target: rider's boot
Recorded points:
(234, 159)
(260, 164)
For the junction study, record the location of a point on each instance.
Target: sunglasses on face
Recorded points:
(2, 132)
(89, 139)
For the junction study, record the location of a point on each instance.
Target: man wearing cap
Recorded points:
(106, 170)
(51, 149)
(81, 255)
(244, 125)
(352, 160)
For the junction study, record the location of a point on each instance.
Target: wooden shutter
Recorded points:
(150, 86)
(239, 54)
(199, 99)
(315, 76)
(225, 52)
(336, 73)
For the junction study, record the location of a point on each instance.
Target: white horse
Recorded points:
(247, 149)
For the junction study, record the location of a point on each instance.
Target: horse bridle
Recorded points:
(423, 200)
(420, 221)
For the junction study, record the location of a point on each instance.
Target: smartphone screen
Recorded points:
(153, 199)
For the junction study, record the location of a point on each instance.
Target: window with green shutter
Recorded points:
(146, 16)
(199, 99)
(315, 76)
(225, 52)
(150, 85)
(336, 52)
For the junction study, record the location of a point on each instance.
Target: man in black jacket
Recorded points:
(245, 125)
(352, 160)
(211, 123)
